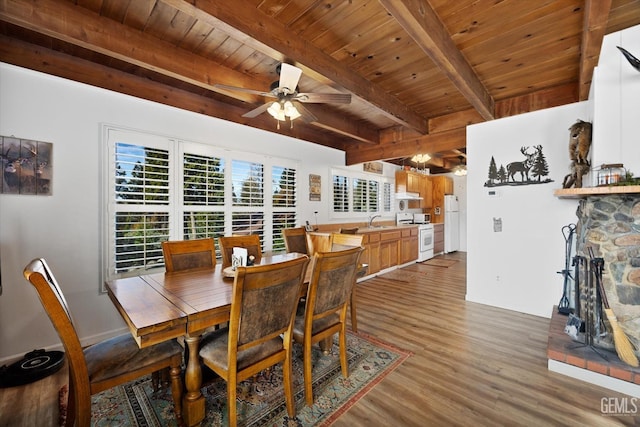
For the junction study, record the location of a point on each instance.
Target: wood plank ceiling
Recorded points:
(418, 71)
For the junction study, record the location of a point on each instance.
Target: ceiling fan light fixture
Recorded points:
(275, 110)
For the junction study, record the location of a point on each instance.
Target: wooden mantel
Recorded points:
(579, 193)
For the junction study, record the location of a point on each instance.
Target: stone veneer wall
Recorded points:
(610, 225)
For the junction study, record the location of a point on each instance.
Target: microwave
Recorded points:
(421, 218)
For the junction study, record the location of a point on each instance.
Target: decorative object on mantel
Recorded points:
(635, 62)
(26, 166)
(579, 145)
(532, 170)
(610, 174)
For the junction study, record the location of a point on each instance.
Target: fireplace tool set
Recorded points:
(568, 232)
(593, 298)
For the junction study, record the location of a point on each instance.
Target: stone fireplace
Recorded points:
(608, 227)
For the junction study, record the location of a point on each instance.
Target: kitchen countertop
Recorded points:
(376, 229)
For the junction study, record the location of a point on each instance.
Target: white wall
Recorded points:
(517, 268)
(616, 101)
(64, 227)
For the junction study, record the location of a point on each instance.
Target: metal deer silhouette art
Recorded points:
(522, 167)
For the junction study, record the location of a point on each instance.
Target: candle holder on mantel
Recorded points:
(610, 174)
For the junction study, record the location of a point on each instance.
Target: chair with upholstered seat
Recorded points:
(332, 278)
(263, 306)
(188, 254)
(251, 242)
(104, 365)
(339, 242)
(295, 240)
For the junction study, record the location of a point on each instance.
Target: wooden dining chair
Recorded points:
(352, 230)
(187, 254)
(339, 242)
(325, 314)
(263, 307)
(251, 242)
(295, 240)
(106, 364)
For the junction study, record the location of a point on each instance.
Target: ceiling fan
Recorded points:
(288, 99)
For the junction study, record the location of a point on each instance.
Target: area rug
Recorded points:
(260, 402)
(440, 262)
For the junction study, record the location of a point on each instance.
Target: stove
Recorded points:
(425, 235)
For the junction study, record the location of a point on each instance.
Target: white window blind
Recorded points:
(139, 201)
(386, 197)
(340, 193)
(359, 197)
(284, 201)
(158, 189)
(373, 196)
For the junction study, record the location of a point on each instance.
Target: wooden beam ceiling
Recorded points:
(596, 17)
(420, 21)
(244, 22)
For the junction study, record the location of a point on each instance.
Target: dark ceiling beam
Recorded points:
(421, 22)
(446, 131)
(51, 62)
(242, 21)
(431, 143)
(596, 16)
(78, 26)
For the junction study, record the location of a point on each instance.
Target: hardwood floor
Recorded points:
(471, 364)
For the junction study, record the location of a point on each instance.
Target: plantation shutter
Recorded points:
(139, 199)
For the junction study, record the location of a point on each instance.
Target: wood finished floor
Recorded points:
(471, 364)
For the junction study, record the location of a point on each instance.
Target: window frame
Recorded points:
(384, 200)
(176, 207)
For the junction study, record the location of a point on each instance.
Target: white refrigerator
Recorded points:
(451, 224)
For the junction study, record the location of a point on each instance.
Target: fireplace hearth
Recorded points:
(608, 227)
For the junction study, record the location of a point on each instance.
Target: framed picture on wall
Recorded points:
(314, 188)
(27, 168)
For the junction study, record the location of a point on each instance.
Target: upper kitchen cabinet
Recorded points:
(441, 185)
(410, 182)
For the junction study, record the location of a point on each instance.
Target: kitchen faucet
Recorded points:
(371, 218)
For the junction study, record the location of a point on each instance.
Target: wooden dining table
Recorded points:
(161, 306)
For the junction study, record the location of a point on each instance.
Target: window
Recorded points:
(158, 189)
(357, 194)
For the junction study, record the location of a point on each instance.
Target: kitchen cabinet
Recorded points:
(414, 182)
(427, 194)
(438, 238)
(389, 248)
(441, 185)
(409, 245)
(371, 254)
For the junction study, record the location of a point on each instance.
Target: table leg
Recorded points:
(193, 401)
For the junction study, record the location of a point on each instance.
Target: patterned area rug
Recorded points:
(261, 402)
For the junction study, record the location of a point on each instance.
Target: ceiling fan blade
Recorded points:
(307, 116)
(257, 111)
(241, 89)
(324, 98)
(289, 77)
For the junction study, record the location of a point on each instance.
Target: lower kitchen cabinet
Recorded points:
(409, 245)
(438, 238)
